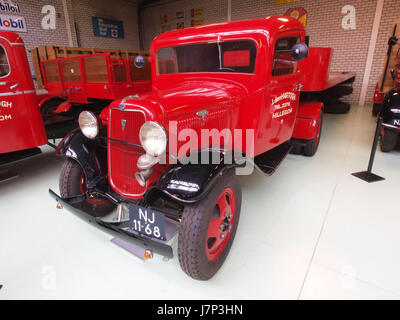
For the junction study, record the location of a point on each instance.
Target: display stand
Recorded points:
(368, 176)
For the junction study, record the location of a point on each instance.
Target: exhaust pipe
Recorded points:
(143, 176)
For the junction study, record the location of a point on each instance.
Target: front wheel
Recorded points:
(208, 228)
(73, 183)
(311, 146)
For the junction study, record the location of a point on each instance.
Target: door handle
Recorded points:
(13, 86)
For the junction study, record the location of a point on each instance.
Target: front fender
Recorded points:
(90, 154)
(307, 120)
(189, 183)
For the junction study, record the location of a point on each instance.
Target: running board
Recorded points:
(6, 175)
(18, 155)
(269, 161)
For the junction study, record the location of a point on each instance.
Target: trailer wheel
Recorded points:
(208, 228)
(73, 183)
(311, 146)
(388, 140)
(49, 107)
(376, 109)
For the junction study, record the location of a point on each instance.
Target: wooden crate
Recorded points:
(52, 52)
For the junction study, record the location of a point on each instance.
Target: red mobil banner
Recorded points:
(12, 23)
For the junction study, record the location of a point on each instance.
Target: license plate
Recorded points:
(147, 222)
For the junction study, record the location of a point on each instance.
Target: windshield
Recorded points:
(227, 56)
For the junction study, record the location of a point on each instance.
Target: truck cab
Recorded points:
(224, 97)
(20, 118)
(245, 78)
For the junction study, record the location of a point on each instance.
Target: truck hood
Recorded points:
(187, 97)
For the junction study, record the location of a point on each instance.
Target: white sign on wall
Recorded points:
(12, 23)
(349, 20)
(8, 6)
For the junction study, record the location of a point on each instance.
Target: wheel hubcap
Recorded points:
(220, 226)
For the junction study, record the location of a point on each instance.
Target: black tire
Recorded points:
(388, 140)
(193, 241)
(48, 108)
(336, 106)
(311, 146)
(71, 185)
(296, 148)
(376, 108)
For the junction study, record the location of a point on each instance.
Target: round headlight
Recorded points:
(88, 124)
(153, 138)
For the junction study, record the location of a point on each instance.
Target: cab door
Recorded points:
(21, 126)
(282, 91)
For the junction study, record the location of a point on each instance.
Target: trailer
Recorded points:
(320, 84)
(29, 118)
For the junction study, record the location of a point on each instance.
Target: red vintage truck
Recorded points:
(154, 156)
(28, 119)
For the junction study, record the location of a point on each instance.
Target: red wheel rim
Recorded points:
(221, 223)
(91, 200)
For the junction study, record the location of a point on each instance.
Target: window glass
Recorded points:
(228, 56)
(283, 62)
(4, 66)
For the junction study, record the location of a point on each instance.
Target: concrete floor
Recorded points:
(311, 231)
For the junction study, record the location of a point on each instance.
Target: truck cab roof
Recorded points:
(11, 37)
(179, 54)
(268, 26)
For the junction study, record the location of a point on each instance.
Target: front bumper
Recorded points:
(116, 229)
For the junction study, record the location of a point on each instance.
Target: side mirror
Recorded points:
(139, 61)
(299, 51)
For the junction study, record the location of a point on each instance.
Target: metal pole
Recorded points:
(389, 53)
(375, 144)
(368, 176)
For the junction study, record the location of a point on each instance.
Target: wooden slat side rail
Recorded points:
(71, 70)
(53, 52)
(36, 67)
(96, 69)
(140, 74)
(51, 71)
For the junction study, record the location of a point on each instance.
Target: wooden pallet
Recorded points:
(52, 52)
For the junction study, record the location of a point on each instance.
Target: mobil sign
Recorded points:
(12, 23)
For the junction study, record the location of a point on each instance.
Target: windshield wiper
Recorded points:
(219, 52)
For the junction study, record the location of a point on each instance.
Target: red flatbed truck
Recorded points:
(242, 78)
(29, 118)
